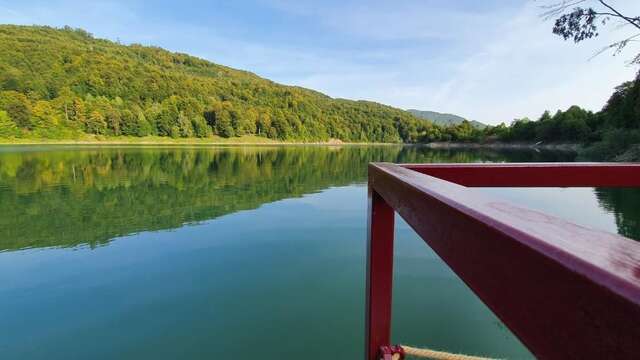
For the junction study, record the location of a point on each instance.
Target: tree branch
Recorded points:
(618, 46)
(557, 8)
(632, 21)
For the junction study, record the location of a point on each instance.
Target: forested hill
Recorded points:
(443, 119)
(63, 83)
(66, 84)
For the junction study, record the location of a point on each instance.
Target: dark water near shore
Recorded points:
(233, 252)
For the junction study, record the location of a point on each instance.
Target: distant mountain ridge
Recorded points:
(443, 119)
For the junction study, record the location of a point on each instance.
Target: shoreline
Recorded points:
(156, 140)
(259, 141)
(497, 145)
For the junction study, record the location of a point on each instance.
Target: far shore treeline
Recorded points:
(66, 84)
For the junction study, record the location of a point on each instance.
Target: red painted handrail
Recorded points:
(565, 291)
(534, 174)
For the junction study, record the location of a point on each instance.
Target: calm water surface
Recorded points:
(244, 253)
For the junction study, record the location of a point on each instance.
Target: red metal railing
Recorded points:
(566, 291)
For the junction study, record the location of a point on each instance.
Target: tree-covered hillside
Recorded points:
(62, 83)
(606, 134)
(65, 84)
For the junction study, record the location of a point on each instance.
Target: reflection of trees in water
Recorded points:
(72, 197)
(625, 205)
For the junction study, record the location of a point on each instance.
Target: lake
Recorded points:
(234, 252)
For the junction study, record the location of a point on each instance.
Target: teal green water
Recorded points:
(236, 252)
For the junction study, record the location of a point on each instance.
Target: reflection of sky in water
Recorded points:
(292, 269)
(577, 205)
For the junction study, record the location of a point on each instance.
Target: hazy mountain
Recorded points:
(443, 119)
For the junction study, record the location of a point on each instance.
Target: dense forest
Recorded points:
(63, 83)
(605, 134)
(66, 84)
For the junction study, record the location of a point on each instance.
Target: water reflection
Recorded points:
(289, 270)
(52, 196)
(625, 206)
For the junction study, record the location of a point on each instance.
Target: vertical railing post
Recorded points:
(379, 274)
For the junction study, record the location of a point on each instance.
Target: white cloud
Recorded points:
(521, 69)
(527, 70)
(398, 20)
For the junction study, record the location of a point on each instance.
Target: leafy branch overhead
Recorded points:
(580, 20)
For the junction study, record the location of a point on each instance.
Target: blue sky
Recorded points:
(488, 60)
